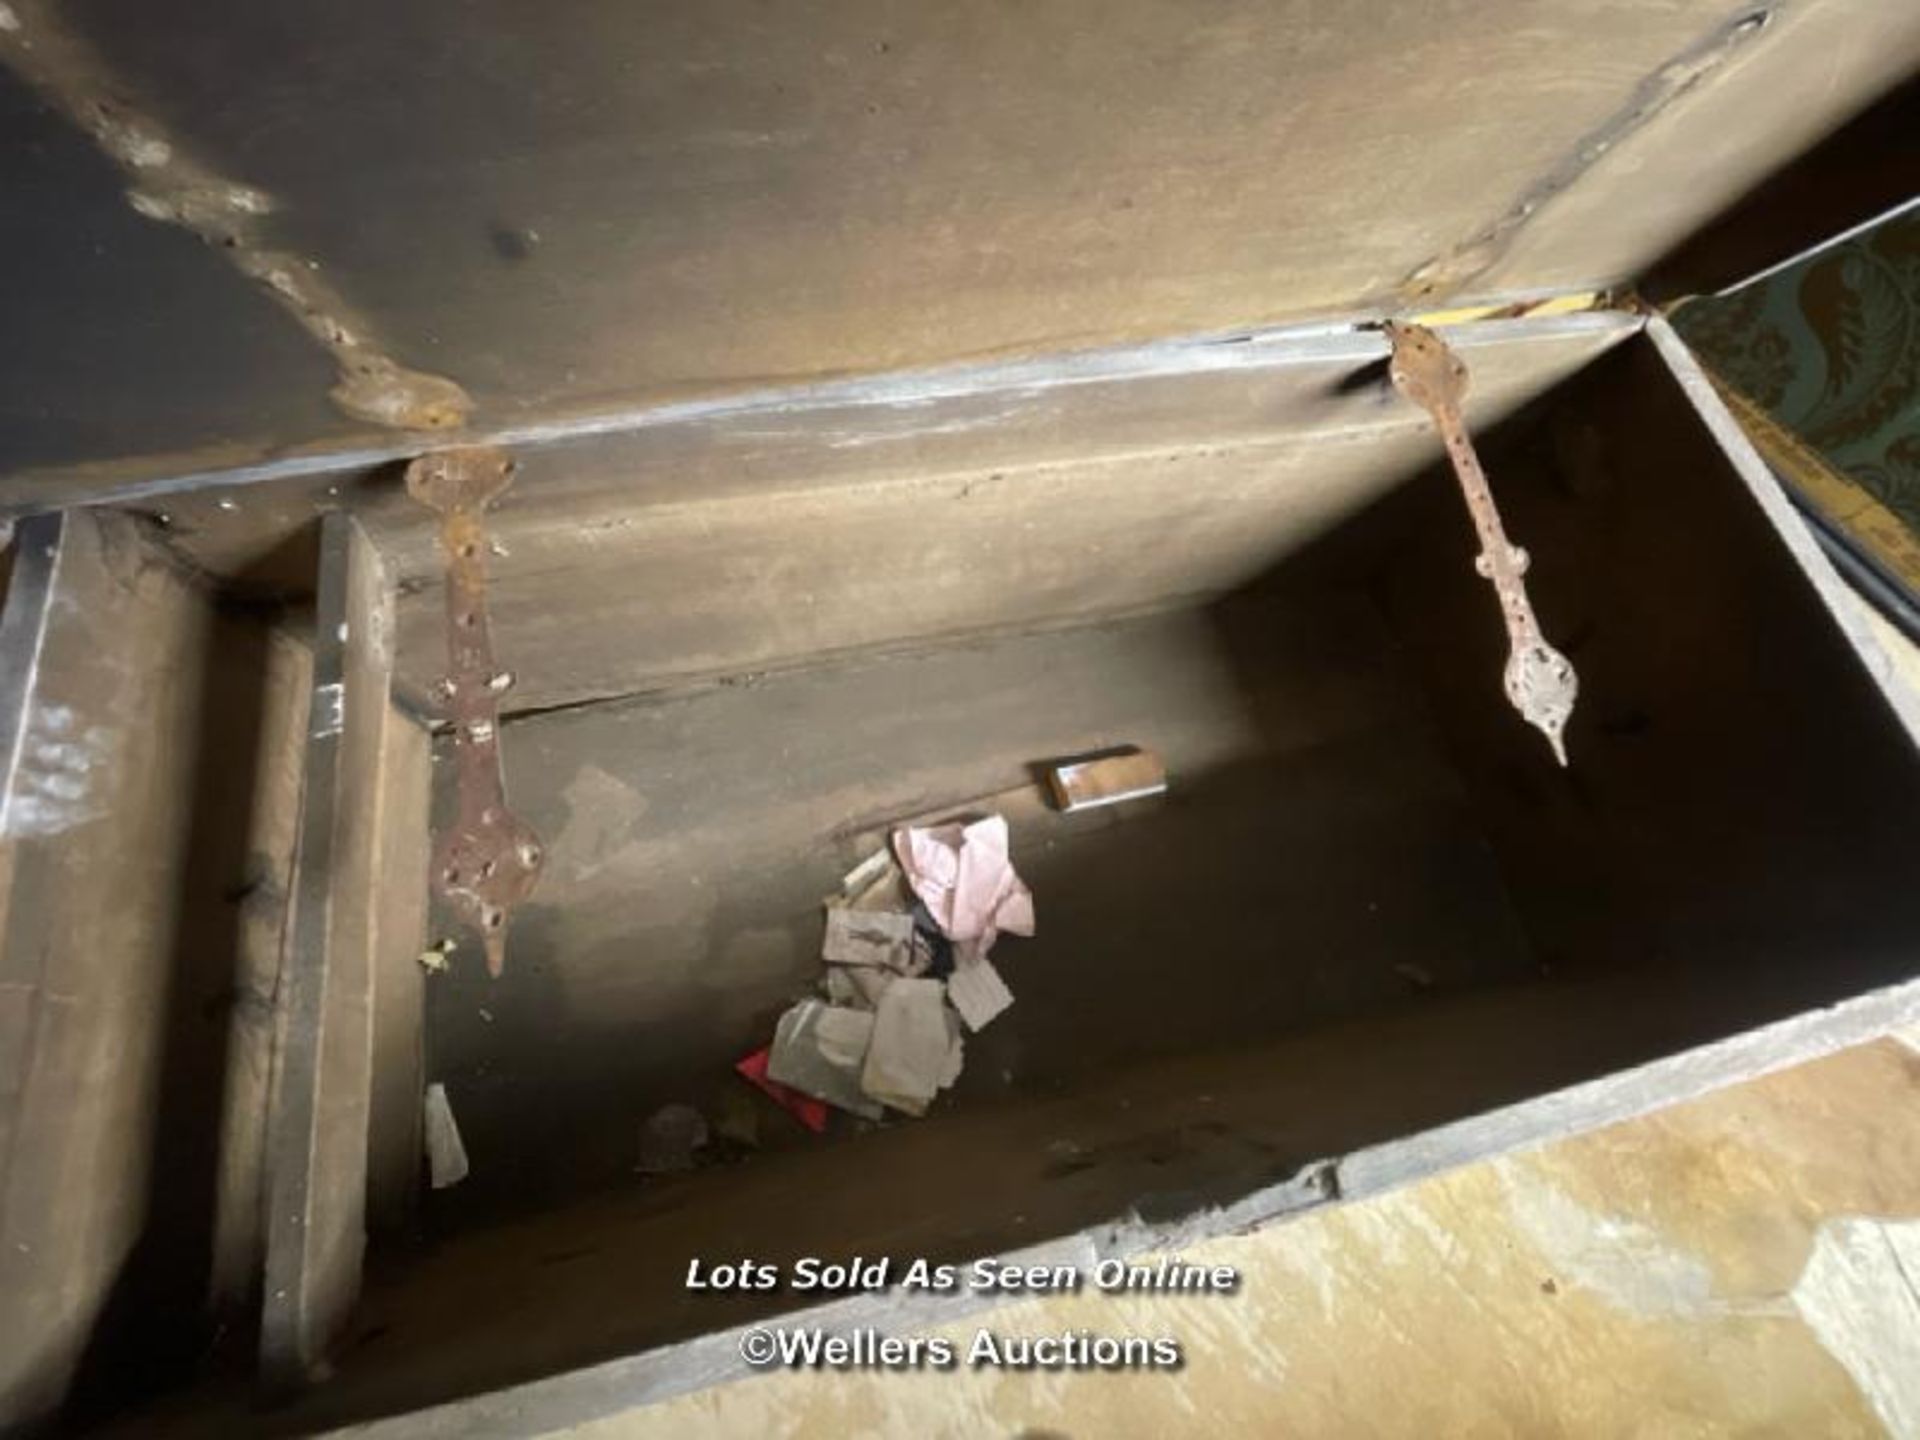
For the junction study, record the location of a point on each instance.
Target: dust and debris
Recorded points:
(169, 187)
(904, 948)
(671, 1140)
(513, 242)
(434, 958)
(736, 1123)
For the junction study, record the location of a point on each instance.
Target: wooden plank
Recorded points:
(239, 1223)
(103, 652)
(354, 927)
(394, 1139)
(936, 506)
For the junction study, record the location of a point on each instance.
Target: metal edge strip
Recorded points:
(1254, 349)
(1787, 522)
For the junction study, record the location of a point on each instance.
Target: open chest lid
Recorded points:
(271, 229)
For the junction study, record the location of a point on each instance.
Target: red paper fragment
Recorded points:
(808, 1111)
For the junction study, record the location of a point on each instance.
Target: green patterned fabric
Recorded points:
(1830, 347)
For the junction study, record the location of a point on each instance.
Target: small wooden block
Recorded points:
(1106, 779)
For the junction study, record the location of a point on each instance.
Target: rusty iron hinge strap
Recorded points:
(487, 860)
(1540, 681)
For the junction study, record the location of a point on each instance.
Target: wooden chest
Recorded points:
(897, 400)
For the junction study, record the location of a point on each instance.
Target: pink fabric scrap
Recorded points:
(964, 875)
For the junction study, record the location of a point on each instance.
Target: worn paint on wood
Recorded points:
(104, 648)
(577, 213)
(926, 508)
(357, 925)
(1674, 1275)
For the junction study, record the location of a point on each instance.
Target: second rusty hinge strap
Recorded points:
(487, 860)
(1540, 681)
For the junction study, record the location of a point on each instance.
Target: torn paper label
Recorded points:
(916, 1047)
(820, 1050)
(446, 1154)
(859, 987)
(841, 990)
(977, 992)
(867, 937)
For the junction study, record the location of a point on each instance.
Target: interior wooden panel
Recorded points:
(395, 1149)
(102, 303)
(1861, 172)
(1726, 130)
(138, 865)
(1313, 839)
(286, 686)
(94, 861)
(602, 208)
(761, 537)
(357, 923)
(1739, 788)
